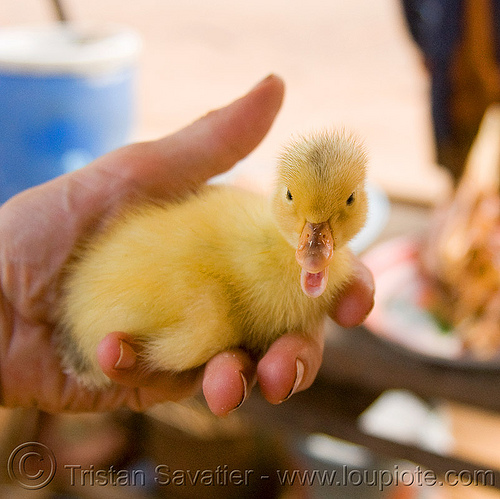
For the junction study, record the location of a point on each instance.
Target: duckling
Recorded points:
(221, 268)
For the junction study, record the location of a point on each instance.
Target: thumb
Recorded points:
(163, 168)
(209, 146)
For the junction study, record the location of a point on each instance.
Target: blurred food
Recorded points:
(461, 255)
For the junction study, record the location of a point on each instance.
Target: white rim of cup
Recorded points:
(67, 48)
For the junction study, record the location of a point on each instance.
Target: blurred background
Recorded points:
(344, 63)
(352, 64)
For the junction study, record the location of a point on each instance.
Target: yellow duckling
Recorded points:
(222, 268)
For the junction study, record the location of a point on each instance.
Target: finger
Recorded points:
(168, 167)
(118, 358)
(357, 299)
(116, 354)
(209, 146)
(164, 168)
(228, 380)
(290, 365)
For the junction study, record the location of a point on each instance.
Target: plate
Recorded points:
(378, 215)
(398, 316)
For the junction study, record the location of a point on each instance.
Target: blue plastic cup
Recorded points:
(66, 97)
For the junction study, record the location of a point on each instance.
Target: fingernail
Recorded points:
(298, 378)
(245, 392)
(261, 82)
(127, 357)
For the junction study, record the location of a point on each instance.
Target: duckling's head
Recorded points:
(320, 202)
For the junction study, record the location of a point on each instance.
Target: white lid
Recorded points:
(67, 49)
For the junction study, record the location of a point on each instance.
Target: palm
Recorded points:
(39, 230)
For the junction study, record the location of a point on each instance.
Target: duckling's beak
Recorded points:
(314, 254)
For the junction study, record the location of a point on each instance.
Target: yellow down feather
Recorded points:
(216, 270)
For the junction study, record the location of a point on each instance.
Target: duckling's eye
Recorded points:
(289, 195)
(350, 199)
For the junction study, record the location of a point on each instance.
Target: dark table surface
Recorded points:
(358, 367)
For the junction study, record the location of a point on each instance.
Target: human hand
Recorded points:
(41, 226)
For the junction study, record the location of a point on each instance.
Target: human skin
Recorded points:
(40, 227)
